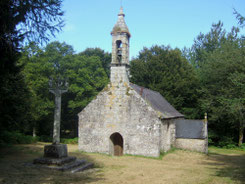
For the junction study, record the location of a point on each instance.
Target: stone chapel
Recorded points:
(126, 118)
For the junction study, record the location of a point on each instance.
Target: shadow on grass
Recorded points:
(162, 154)
(15, 168)
(231, 166)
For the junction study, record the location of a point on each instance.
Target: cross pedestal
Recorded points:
(55, 151)
(56, 155)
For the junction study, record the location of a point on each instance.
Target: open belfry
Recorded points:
(125, 118)
(120, 51)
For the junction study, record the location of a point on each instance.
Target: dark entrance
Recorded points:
(117, 142)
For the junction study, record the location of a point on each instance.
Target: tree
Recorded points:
(105, 57)
(219, 60)
(165, 70)
(205, 44)
(240, 18)
(26, 20)
(237, 103)
(21, 21)
(85, 75)
(87, 78)
(222, 78)
(31, 20)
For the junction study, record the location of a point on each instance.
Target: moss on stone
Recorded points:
(106, 88)
(127, 92)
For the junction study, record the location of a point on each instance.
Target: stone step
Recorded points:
(54, 161)
(86, 166)
(69, 166)
(73, 166)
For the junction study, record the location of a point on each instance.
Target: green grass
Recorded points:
(217, 150)
(69, 141)
(221, 166)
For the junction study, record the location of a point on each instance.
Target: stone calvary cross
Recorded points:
(57, 88)
(56, 154)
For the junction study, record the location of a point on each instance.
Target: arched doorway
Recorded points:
(117, 144)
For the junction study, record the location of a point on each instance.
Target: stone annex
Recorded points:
(125, 118)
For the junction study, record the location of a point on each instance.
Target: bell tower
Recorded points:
(120, 51)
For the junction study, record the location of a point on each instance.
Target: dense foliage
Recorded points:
(85, 74)
(104, 56)
(165, 70)
(21, 21)
(14, 137)
(219, 58)
(208, 77)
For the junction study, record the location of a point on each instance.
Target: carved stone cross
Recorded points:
(57, 91)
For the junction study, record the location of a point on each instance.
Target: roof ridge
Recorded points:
(157, 102)
(146, 88)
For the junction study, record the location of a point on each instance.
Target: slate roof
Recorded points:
(157, 102)
(190, 129)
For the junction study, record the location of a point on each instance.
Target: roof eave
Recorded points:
(119, 32)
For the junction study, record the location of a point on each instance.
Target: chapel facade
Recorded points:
(126, 118)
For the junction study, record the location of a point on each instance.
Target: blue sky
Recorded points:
(163, 22)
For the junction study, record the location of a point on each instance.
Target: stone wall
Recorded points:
(199, 145)
(119, 75)
(125, 48)
(191, 135)
(167, 135)
(119, 108)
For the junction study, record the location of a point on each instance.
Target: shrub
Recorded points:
(70, 141)
(227, 142)
(242, 147)
(230, 146)
(212, 138)
(45, 138)
(7, 137)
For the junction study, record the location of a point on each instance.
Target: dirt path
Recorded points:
(178, 167)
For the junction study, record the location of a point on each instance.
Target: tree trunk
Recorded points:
(241, 127)
(241, 130)
(34, 132)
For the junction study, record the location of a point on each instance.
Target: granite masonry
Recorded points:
(125, 118)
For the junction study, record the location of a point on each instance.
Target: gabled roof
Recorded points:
(157, 102)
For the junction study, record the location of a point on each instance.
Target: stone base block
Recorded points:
(55, 151)
(54, 161)
(56, 158)
(70, 164)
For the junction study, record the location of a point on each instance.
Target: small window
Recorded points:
(119, 43)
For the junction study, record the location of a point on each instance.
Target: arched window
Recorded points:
(119, 51)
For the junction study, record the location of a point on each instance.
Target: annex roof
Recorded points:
(157, 102)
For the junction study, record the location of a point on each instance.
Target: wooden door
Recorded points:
(117, 141)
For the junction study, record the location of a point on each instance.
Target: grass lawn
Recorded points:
(220, 166)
